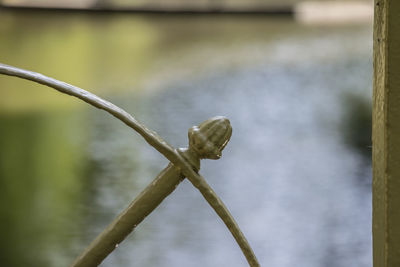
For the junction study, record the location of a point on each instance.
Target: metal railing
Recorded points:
(205, 141)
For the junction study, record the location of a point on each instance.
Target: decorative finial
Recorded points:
(210, 137)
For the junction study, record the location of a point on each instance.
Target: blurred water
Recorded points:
(298, 190)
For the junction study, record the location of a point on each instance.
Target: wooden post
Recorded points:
(386, 134)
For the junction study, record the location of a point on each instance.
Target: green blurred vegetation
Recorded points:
(40, 184)
(357, 123)
(107, 53)
(83, 51)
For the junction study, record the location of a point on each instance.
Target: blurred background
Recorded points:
(294, 78)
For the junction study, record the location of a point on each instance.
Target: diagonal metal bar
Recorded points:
(177, 158)
(127, 220)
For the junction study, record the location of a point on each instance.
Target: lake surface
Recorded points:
(296, 174)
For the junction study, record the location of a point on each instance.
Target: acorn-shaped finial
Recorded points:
(210, 137)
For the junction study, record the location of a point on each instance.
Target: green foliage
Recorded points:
(39, 185)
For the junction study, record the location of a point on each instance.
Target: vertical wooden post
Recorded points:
(386, 134)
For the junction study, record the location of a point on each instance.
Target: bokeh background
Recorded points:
(296, 174)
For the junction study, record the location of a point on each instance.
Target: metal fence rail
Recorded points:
(205, 141)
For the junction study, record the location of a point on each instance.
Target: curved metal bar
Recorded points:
(219, 207)
(154, 140)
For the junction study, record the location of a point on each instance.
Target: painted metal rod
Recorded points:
(207, 149)
(220, 208)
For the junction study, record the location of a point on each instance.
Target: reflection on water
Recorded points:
(289, 177)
